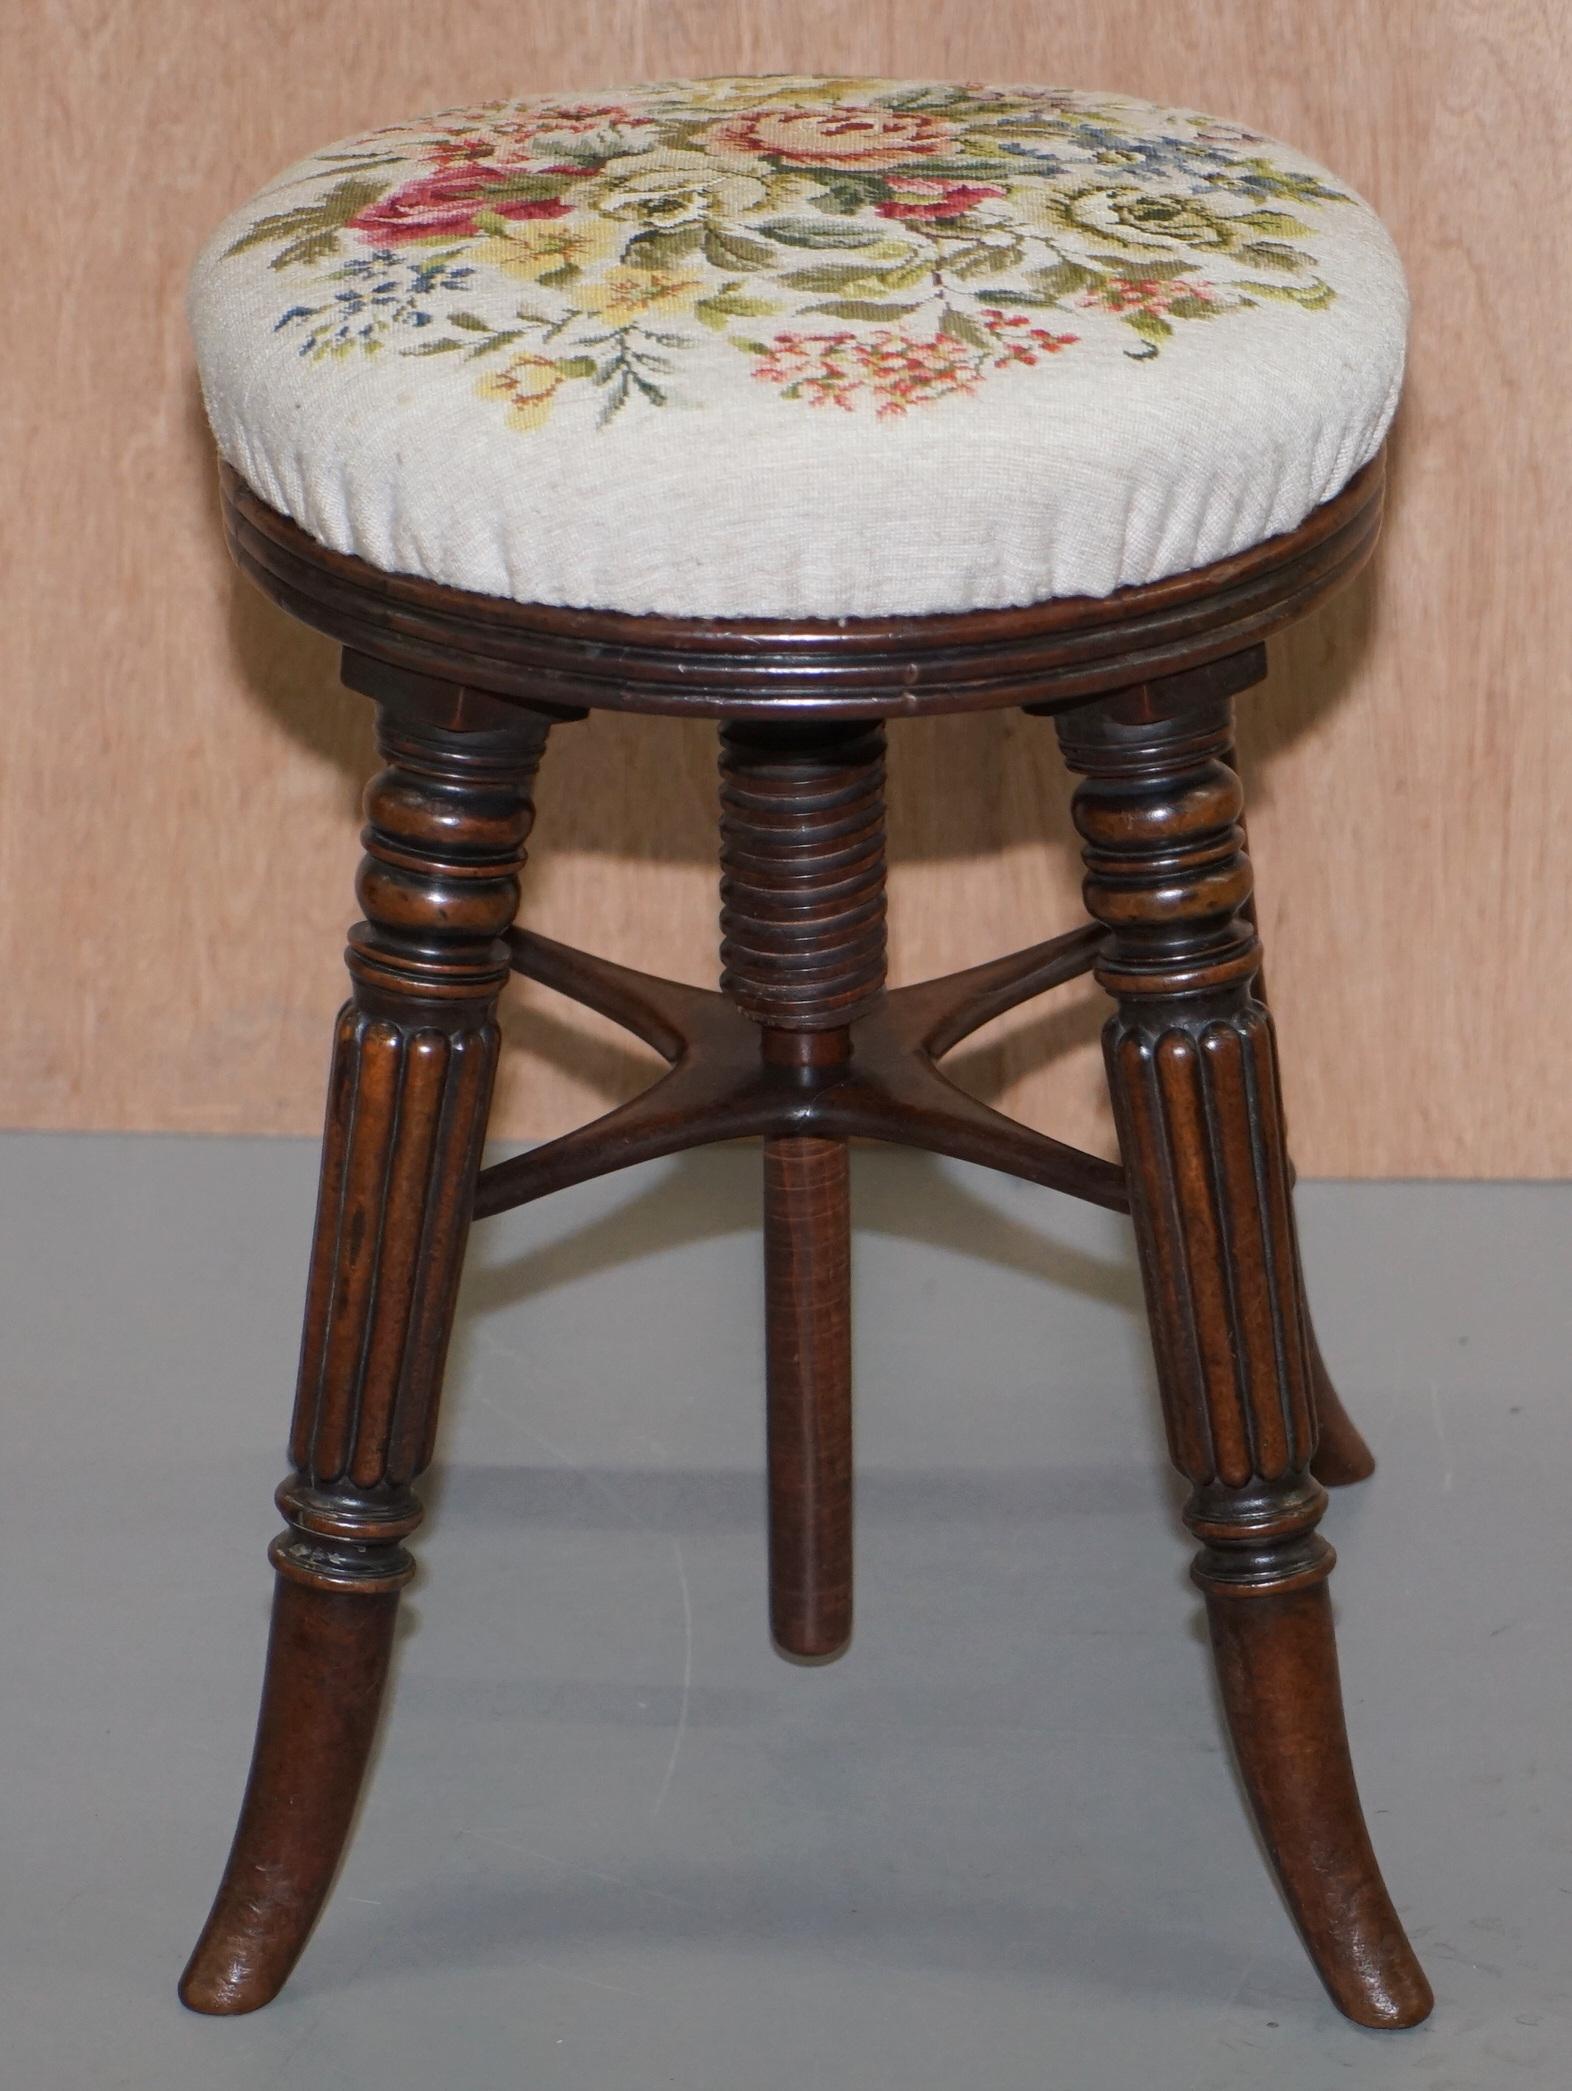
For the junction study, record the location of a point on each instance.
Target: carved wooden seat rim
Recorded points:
(1045, 655)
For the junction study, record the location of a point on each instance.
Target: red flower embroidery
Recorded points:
(896, 371)
(507, 139)
(445, 206)
(1018, 341)
(1137, 293)
(922, 198)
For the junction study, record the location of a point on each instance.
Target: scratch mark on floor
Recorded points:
(687, 1676)
(1446, 1450)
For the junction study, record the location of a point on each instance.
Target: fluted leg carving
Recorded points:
(802, 955)
(1341, 1455)
(414, 1056)
(1192, 1069)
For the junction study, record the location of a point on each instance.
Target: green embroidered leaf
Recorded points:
(663, 250)
(471, 322)
(1151, 326)
(1270, 254)
(1195, 308)
(731, 302)
(845, 194)
(724, 249)
(732, 299)
(529, 188)
(811, 232)
(980, 258)
(1140, 269)
(311, 246)
(958, 327)
(984, 168)
(1273, 221)
(907, 277)
(833, 275)
(490, 345)
(433, 348)
(560, 278)
(1064, 278)
(1007, 294)
(748, 346)
(309, 222)
(1313, 296)
(858, 308)
(578, 366)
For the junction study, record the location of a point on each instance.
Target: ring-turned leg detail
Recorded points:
(1193, 1074)
(415, 1053)
(803, 956)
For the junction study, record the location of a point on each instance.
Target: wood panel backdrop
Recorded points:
(177, 822)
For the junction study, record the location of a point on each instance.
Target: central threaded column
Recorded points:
(803, 954)
(802, 872)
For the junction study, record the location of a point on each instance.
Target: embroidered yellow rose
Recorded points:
(528, 385)
(1139, 222)
(539, 249)
(624, 296)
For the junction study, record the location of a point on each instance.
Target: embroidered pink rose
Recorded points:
(445, 205)
(918, 197)
(844, 135)
(1133, 292)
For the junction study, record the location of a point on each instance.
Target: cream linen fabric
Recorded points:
(800, 347)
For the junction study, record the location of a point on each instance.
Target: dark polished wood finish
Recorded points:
(414, 1056)
(807, 1305)
(1341, 1455)
(851, 668)
(803, 957)
(804, 1047)
(1192, 1068)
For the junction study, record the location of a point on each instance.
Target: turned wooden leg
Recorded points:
(414, 1057)
(1341, 1455)
(1193, 1073)
(802, 955)
(807, 1267)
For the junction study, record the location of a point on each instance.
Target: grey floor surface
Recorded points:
(613, 1843)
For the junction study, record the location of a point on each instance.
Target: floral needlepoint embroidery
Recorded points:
(874, 246)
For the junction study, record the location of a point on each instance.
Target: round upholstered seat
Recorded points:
(800, 347)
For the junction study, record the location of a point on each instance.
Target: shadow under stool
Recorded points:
(803, 1046)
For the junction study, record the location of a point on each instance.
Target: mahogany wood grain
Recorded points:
(1192, 1067)
(1341, 1455)
(807, 1306)
(414, 1056)
(803, 957)
(850, 668)
(1277, 1670)
(327, 1667)
(805, 1047)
